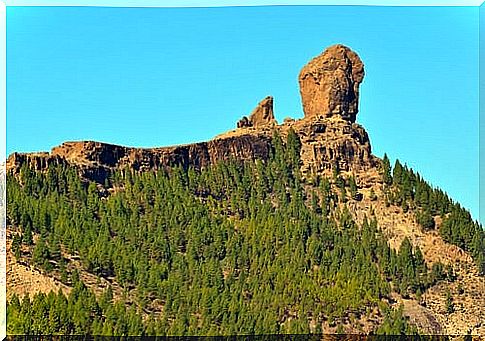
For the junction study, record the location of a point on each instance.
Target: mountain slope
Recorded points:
(290, 228)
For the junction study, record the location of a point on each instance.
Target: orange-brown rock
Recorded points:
(330, 143)
(96, 160)
(329, 88)
(262, 115)
(329, 84)
(35, 161)
(329, 138)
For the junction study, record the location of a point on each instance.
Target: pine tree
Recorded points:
(16, 246)
(27, 235)
(353, 187)
(397, 172)
(425, 219)
(293, 146)
(450, 307)
(386, 171)
(40, 254)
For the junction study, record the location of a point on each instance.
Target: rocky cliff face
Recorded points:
(95, 160)
(330, 143)
(329, 85)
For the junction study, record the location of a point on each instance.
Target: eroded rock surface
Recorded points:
(262, 115)
(330, 138)
(330, 143)
(329, 84)
(96, 160)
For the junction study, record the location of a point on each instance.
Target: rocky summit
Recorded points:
(329, 86)
(321, 222)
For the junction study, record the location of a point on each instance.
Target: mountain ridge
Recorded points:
(330, 146)
(329, 86)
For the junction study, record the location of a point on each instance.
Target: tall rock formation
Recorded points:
(329, 84)
(262, 115)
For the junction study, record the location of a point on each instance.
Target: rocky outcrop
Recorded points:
(35, 161)
(96, 160)
(329, 84)
(244, 122)
(197, 155)
(262, 115)
(330, 138)
(328, 143)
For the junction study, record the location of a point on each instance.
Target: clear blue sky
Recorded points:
(161, 76)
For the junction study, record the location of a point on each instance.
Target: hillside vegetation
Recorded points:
(236, 248)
